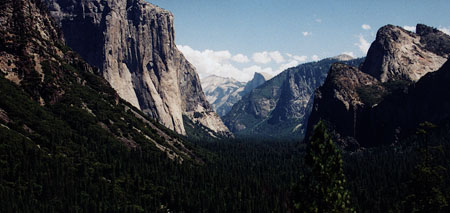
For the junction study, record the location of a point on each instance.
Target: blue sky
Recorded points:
(211, 33)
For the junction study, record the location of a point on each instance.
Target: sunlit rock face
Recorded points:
(132, 42)
(398, 54)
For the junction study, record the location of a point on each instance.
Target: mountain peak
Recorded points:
(266, 76)
(434, 40)
(343, 57)
(397, 54)
(259, 78)
(422, 29)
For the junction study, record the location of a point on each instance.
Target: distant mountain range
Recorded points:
(280, 107)
(223, 93)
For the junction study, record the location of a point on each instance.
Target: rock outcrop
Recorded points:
(338, 101)
(398, 54)
(280, 107)
(343, 57)
(387, 99)
(356, 124)
(28, 38)
(132, 42)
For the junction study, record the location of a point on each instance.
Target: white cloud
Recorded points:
(240, 58)
(266, 57)
(318, 20)
(363, 44)
(315, 57)
(256, 68)
(306, 33)
(349, 53)
(445, 30)
(290, 64)
(210, 62)
(223, 63)
(366, 27)
(276, 56)
(261, 57)
(302, 58)
(410, 28)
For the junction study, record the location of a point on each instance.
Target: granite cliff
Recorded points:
(132, 43)
(385, 99)
(339, 102)
(398, 54)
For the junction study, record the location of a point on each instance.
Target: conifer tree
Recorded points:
(322, 187)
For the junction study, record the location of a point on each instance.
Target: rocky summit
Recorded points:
(338, 101)
(385, 100)
(398, 54)
(132, 43)
(257, 80)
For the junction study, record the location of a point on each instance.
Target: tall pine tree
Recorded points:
(322, 187)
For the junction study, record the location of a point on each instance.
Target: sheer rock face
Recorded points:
(398, 54)
(337, 101)
(34, 57)
(132, 42)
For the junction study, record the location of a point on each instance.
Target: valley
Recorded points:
(102, 111)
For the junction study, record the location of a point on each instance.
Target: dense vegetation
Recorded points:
(322, 188)
(75, 169)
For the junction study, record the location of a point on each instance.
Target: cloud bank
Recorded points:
(363, 44)
(239, 66)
